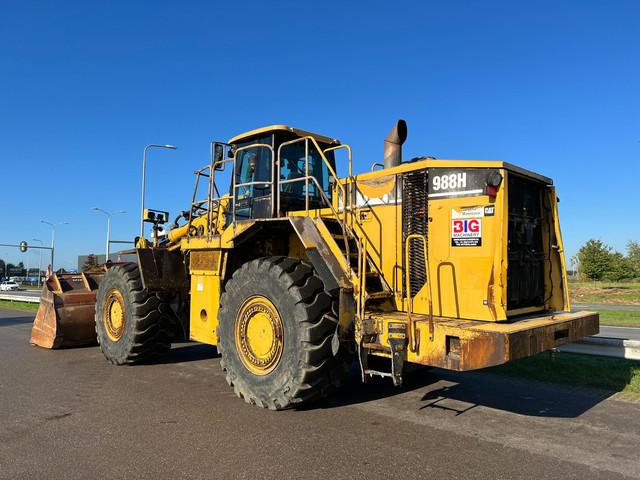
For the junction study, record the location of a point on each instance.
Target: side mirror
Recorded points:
(218, 154)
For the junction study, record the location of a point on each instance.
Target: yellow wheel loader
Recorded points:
(292, 272)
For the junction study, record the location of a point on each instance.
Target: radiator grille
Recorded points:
(525, 271)
(415, 217)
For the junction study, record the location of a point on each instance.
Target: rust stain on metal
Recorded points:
(207, 260)
(491, 294)
(469, 345)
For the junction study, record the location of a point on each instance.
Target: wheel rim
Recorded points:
(259, 335)
(113, 315)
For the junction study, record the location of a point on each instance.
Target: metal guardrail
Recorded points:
(605, 346)
(19, 298)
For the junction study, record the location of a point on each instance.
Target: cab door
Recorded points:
(253, 180)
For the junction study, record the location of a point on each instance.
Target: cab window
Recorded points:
(292, 173)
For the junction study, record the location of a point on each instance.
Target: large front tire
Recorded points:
(132, 324)
(275, 330)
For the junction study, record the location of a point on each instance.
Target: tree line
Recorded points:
(598, 261)
(18, 270)
(8, 269)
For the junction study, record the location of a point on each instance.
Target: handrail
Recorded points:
(322, 155)
(411, 324)
(307, 177)
(214, 190)
(193, 199)
(210, 200)
(362, 288)
(347, 203)
(330, 205)
(341, 147)
(315, 181)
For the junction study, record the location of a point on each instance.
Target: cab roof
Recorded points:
(276, 128)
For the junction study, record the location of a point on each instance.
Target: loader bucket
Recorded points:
(66, 316)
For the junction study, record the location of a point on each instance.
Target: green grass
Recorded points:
(619, 318)
(29, 307)
(620, 293)
(605, 285)
(603, 373)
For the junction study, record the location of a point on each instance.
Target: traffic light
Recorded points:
(23, 246)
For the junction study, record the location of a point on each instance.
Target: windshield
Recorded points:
(253, 165)
(253, 170)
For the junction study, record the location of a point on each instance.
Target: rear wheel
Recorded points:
(132, 324)
(275, 330)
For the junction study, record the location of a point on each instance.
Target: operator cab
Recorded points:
(275, 155)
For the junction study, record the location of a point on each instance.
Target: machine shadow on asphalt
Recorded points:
(527, 399)
(459, 393)
(185, 352)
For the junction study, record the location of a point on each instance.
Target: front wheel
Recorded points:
(275, 330)
(132, 324)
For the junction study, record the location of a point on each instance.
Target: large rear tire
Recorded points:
(275, 331)
(132, 324)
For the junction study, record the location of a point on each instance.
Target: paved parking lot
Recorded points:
(69, 414)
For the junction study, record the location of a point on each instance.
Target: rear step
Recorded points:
(379, 295)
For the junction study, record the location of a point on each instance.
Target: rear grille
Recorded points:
(414, 220)
(525, 271)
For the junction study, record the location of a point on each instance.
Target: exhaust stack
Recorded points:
(393, 144)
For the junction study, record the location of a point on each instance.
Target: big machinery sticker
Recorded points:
(466, 232)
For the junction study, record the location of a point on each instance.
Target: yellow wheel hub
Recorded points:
(113, 314)
(259, 335)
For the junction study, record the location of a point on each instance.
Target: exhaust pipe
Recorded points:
(393, 144)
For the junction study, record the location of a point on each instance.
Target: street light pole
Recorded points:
(144, 176)
(39, 261)
(53, 239)
(109, 215)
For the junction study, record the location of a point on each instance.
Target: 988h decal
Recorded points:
(457, 182)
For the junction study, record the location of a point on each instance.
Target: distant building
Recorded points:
(82, 259)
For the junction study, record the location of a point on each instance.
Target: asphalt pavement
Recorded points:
(70, 414)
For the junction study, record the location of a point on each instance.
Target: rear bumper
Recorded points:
(469, 345)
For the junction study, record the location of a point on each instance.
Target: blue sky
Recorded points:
(84, 86)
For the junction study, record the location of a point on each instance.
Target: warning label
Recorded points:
(466, 232)
(467, 212)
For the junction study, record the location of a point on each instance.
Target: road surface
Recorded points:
(70, 414)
